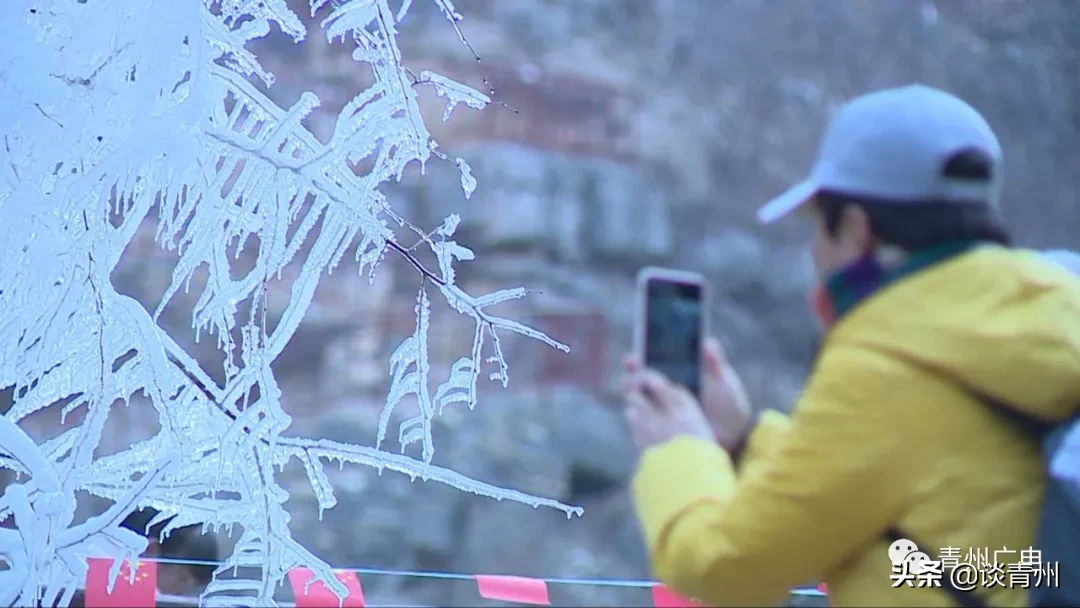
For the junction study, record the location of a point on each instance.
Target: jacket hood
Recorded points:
(1006, 321)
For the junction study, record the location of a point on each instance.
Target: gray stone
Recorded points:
(630, 223)
(715, 107)
(734, 256)
(593, 436)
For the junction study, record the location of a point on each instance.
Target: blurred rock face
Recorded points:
(626, 133)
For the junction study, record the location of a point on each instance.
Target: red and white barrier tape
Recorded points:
(139, 589)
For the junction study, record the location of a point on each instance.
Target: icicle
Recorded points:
(222, 135)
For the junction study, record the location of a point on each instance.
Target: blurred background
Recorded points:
(624, 133)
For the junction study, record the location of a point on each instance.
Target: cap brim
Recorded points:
(787, 202)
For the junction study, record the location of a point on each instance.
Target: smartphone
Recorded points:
(671, 324)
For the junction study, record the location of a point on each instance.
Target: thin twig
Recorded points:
(454, 19)
(416, 80)
(46, 115)
(417, 264)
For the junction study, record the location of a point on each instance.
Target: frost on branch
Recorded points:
(115, 108)
(454, 93)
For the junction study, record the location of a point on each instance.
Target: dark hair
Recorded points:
(915, 226)
(189, 543)
(138, 521)
(186, 543)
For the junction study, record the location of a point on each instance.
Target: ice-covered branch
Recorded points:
(117, 108)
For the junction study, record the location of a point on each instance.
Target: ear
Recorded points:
(856, 233)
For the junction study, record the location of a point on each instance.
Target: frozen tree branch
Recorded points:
(115, 108)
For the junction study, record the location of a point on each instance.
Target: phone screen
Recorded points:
(673, 331)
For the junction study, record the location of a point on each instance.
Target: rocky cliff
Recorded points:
(625, 133)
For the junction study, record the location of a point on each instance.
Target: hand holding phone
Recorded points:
(669, 332)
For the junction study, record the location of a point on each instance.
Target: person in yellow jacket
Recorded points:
(926, 305)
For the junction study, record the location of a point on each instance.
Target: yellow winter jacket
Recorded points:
(876, 442)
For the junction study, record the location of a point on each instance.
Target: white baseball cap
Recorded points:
(893, 145)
